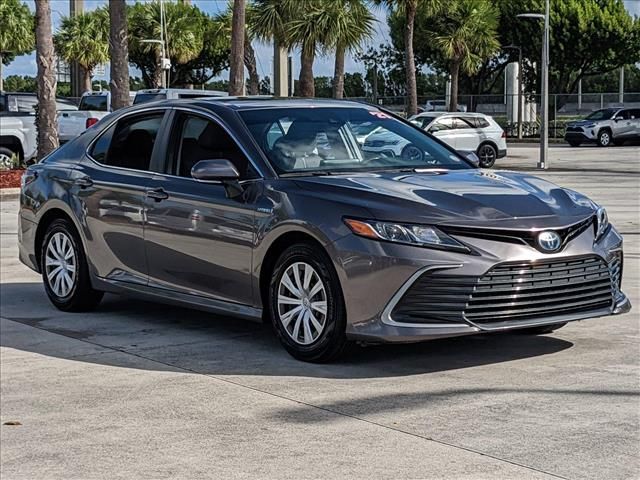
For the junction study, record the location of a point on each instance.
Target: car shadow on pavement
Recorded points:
(151, 336)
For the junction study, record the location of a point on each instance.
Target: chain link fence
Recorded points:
(503, 108)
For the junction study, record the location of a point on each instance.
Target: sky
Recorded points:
(26, 64)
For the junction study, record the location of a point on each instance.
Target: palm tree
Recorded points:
(352, 24)
(236, 67)
(185, 26)
(467, 34)
(253, 88)
(410, 8)
(46, 122)
(16, 31)
(84, 38)
(119, 53)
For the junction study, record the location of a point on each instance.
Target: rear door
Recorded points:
(199, 239)
(111, 184)
(623, 127)
(467, 135)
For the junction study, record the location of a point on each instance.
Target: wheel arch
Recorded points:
(13, 143)
(276, 247)
(487, 141)
(46, 219)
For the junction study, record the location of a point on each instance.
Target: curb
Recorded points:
(9, 194)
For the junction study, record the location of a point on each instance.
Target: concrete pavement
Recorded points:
(137, 390)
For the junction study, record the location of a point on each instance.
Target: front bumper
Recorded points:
(581, 137)
(376, 275)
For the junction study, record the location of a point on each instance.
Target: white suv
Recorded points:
(466, 132)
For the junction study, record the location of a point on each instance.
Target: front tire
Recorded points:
(574, 144)
(65, 273)
(307, 306)
(604, 138)
(487, 155)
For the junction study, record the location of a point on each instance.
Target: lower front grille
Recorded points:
(528, 290)
(511, 292)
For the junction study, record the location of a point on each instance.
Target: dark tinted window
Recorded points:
(94, 102)
(129, 144)
(198, 138)
(634, 113)
(442, 124)
(100, 148)
(464, 123)
(480, 122)
(148, 97)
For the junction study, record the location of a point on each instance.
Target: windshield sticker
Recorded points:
(380, 115)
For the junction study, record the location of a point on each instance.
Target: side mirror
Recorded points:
(219, 170)
(472, 157)
(618, 118)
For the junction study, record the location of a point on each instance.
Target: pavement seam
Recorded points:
(300, 402)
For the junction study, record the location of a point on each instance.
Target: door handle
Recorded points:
(84, 182)
(158, 194)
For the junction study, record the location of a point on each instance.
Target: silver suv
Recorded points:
(604, 127)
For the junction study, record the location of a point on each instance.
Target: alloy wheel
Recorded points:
(605, 139)
(61, 264)
(302, 303)
(487, 156)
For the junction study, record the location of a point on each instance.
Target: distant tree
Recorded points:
(236, 61)
(17, 83)
(16, 32)
(351, 24)
(84, 38)
(354, 85)
(323, 87)
(265, 86)
(466, 33)
(119, 53)
(46, 121)
(221, 85)
(605, 82)
(185, 26)
(410, 8)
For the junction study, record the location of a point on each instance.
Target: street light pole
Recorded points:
(543, 163)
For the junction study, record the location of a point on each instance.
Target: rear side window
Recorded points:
(442, 124)
(481, 122)
(634, 113)
(94, 102)
(148, 97)
(129, 143)
(464, 123)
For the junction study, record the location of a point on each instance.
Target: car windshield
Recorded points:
(324, 140)
(604, 114)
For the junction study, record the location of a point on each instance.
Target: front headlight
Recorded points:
(418, 235)
(602, 223)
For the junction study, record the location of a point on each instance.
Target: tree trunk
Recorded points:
(119, 53)
(46, 123)
(306, 85)
(250, 63)
(410, 61)
(455, 75)
(236, 67)
(338, 73)
(86, 79)
(158, 73)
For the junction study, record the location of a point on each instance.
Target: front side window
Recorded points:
(325, 140)
(198, 138)
(129, 143)
(463, 123)
(440, 124)
(604, 114)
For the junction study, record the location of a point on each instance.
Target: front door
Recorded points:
(623, 127)
(198, 237)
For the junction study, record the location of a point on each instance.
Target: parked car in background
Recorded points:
(93, 106)
(272, 209)
(155, 94)
(465, 132)
(441, 106)
(17, 124)
(605, 127)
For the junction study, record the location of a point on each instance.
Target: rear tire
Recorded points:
(487, 154)
(604, 138)
(307, 306)
(64, 268)
(543, 330)
(5, 157)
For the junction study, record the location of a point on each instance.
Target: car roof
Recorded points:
(181, 90)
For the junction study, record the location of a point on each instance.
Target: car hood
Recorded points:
(461, 197)
(582, 123)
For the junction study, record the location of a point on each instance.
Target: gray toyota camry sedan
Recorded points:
(286, 210)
